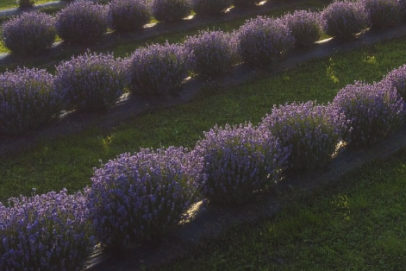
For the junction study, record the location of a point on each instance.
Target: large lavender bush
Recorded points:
(214, 52)
(30, 33)
(90, 81)
(127, 15)
(82, 22)
(374, 111)
(396, 80)
(382, 13)
(45, 232)
(262, 40)
(142, 197)
(205, 7)
(27, 100)
(171, 10)
(238, 161)
(344, 19)
(158, 69)
(305, 26)
(312, 131)
(245, 3)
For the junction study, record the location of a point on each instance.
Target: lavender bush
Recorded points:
(158, 69)
(45, 232)
(312, 131)
(140, 197)
(30, 33)
(246, 3)
(214, 52)
(25, 3)
(396, 80)
(171, 10)
(344, 19)
(382, 13)
(305, 26)
(205, 7)
(90, 81)
(374, 111)
(262, 40)
(82, 22)
(27, 100)
(127, 15)
(239, 160)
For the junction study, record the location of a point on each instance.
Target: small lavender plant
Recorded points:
(305, 26)
(127, 15)
(29, 34)
(90, 81)
(396, 80)
(82, 22)
(263, 40)
(171, 10)
(214, 52)
(374, 111)
(312, 131)
(238, 161)
(382, 13)
(205, 7)
(141, 197)
(27, 100)
(245, 3)
(45, 232)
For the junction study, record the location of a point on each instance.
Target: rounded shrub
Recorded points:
(238, 161)
(127, 15)
(214, 52)
(45, 232)
(30, 33)
(158, 69)
(262, 40)
(344, 19)
(90, 81)
(396, 80)
(171, 10)
(82, 22)
(27, 100)
(382, 13)
(312, 131)
(374, 111)
(25, 3)
(141, 197)
(245, 3)
(205, 7)
(305, 26)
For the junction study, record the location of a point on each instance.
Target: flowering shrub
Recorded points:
(343, 19)
(25, 3)
(45, 232)
(239, 160)
(214, 52)
(136, 198)
(158, 69)
(30, 33)
(171, 10)
(396, 79)
(27, 100)
(382, 13)
(82, 22)
(245, 3)
(262, 40)
(305, 26)
(312, 131)
(127, 15)
(210, 6)
(90, 81)
(374, 112)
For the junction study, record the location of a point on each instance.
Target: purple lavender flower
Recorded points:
(305, 26)
(396, 80)
(171, 10)
(382, 13)
(206, 7)
(127, 15)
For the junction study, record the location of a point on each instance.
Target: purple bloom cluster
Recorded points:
(305, 26)
(127, 15)
(90, 81)
(344, 19)
(136, 198)
(171, 10)
(158, 69)
(312, 131)
(262, 40)
(396, 80)
(46, 232)
(238, 161)
(374, 111)
(205, 7)
(382, 13)
(27, 100)
(214, 52)
(245, 3)
(30, 33)
(82, 22)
